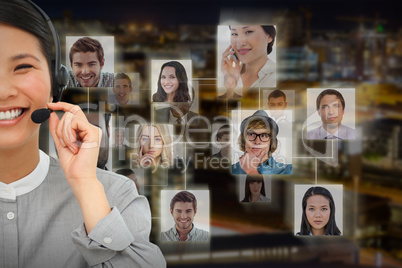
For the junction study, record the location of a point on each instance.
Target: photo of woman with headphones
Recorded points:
(58, 213)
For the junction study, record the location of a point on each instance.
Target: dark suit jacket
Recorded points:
(161, 116)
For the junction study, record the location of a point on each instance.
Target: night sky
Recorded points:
(167, 12)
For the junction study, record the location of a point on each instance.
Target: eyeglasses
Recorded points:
(264, 137)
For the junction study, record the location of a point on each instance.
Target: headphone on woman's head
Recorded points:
(59, 73)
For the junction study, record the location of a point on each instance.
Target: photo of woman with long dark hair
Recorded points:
(254, 189)
(247, 56)
(172, 84)
(318, 213)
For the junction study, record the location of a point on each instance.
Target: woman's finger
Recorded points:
(227, 53)
(65, 135)
(67, 107)
(89, 134)
(53, 125)
(227, 49)
(141, 150)
(146, 160)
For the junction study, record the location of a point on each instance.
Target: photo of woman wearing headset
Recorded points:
(66, 212)
(248, 56)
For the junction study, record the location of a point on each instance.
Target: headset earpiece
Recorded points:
(60, 73)
(59, 83)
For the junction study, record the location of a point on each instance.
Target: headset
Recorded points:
(60, 73)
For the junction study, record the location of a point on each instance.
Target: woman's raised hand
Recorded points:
(146, 159)
(229, 64)
(77, 142)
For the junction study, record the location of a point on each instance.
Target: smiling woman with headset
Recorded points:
(57, 213)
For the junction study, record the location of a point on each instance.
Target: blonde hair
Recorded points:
(167, 151)
(259, 123)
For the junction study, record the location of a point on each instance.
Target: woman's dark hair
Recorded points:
(330, 228)
(125, 172)
(271, 31)
(182, 93)
(250, 179)
(20, 14)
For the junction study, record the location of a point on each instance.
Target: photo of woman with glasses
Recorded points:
(258, 140)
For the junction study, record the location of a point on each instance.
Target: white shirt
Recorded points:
(29, 182)
(266, 76)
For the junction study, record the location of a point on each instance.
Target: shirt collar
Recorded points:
(29, 182)
(267, 69)
(269, 162)
(280, 118)
(190, 234)
(325, 134)
(100, 83)
(260, 199)
(173, 120)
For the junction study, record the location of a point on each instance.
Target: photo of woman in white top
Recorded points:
(247, 56)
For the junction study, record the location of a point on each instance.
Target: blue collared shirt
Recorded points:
(268, 167)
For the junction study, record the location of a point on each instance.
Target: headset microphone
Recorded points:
(41, 115)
